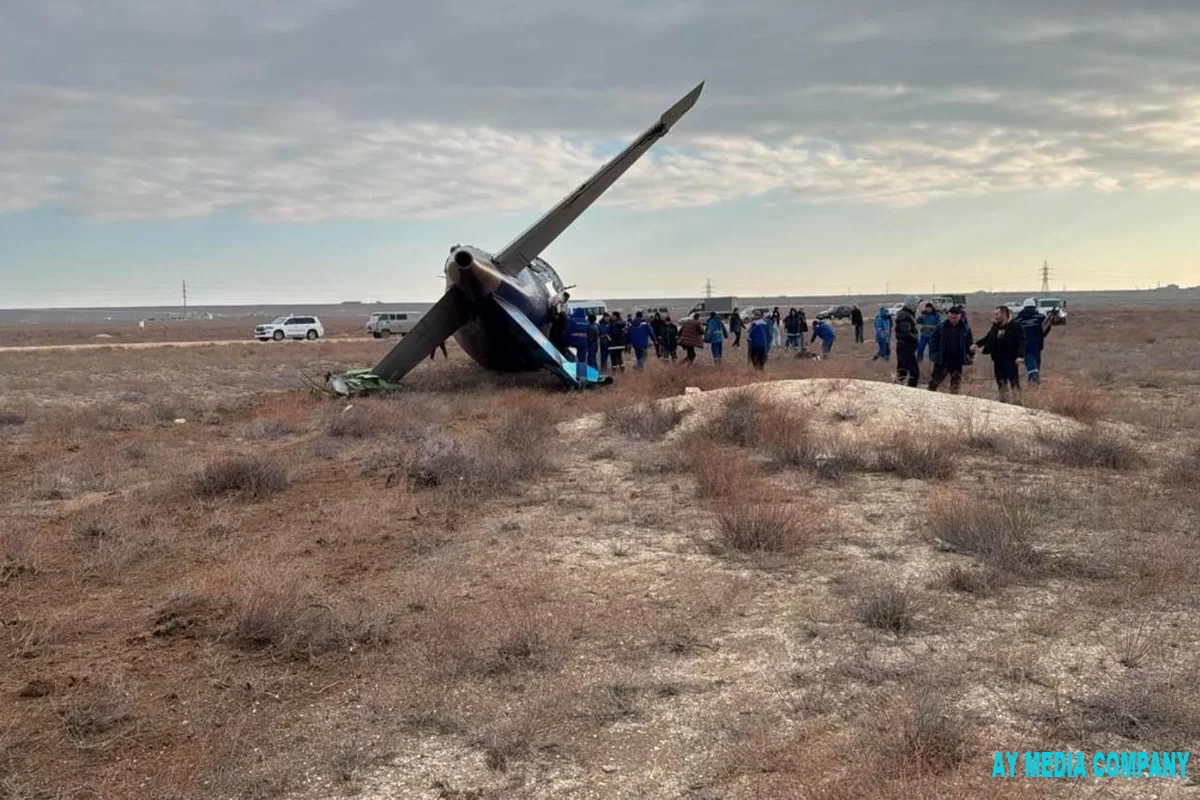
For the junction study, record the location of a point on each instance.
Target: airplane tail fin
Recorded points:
(530, 244)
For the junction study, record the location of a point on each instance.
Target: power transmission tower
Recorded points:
(1045, 277)
(708, 289)
(185, 299)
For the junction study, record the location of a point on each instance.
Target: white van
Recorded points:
(385, 323)
(596, 307)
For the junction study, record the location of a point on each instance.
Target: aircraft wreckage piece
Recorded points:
(499, 307)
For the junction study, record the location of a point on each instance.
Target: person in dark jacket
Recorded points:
(1035, 328)
(670, 339)
(558, 331)
(926, 324)
(616, 341)
(1005, 343)
(691, 336)
(803, 326)
(593, 342)
(641, 337)
(776, 326)
(791, 325)
(603, 326)
(948, 350)
(656, 326)
(908, 369)
(735, 327)
(759, 341)
(856, 319)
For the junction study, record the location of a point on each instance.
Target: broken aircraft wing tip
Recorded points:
(676, 112)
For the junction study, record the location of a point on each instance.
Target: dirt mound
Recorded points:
(866, 410)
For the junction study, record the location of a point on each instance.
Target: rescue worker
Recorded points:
(691, 336)
(640, 338)
(656, 326)
(759, 341)
(593, 342)
(1033, 323)
(908, 369)
(616, 341)
(670, 339)
(948, 350)
(735, 327)
(883, 335)
(856, 319)
(605, 322)
(714, 334)
(558, 331)
(926, 324)
(1005, 343)
(577, 339)
(824, 331)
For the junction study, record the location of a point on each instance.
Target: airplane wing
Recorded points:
(439, 324)
(547, 353)
(530, 244)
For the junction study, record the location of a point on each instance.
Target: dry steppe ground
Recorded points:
(482, 587)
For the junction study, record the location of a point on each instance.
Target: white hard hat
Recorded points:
(1029, 303)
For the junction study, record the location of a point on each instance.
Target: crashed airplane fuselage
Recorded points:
(499, 307)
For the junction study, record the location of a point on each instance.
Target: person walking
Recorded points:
(1035, 327)
(856, 319)
(603, 325)
(656, 326)
(617, 338)
(759, 341)
(948, 350)
(714, 334)
(593, 342)
(926, 324)
(824, 331)
(883, 335)
(691, 336)
(670, 339)
(776, 327)
(1005, 343)
(908, 369)
(641, 336)
(803, 327)
(735, 327)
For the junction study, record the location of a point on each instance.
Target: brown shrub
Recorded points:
(1184, 472)
(647, 422)
(1092, 448)
(996, 528)
(251, 476)
(932, 734)
(739, 420)
(351, 424)
(720, 470)
(979, 582)
(1159, 711)
(1084, 403)
(888, 608)
(911, 456)
(752, 527)
(286, 618)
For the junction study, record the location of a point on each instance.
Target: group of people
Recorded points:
(603, 342)
(950, 344)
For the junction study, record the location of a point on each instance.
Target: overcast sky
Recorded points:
(308, 150)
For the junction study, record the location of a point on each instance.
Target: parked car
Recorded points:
(385, 323)
(748, 314)
(290, 327)
(1054, 308)
(836, 312)
(894, 309)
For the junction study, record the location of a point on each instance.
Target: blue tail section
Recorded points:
(546, 353)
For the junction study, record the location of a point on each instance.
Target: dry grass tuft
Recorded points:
(909, 455)
(647, 422)
(97, 708)
(1093, 448)
(996, 528)
(284, 618)
(933, 734)
(979, 582)
(888, 608)
(251, 476)
(740, 419)
(1184, 472)
(1160, 712)
(751, 527)
(351, 424)
(11, 418)
(1084, 403)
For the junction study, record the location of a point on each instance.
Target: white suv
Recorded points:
(282, 328)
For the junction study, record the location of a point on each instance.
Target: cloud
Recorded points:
(311, 109)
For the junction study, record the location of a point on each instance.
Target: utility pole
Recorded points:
(185, 299)
(1045, 277)
(708, 289)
